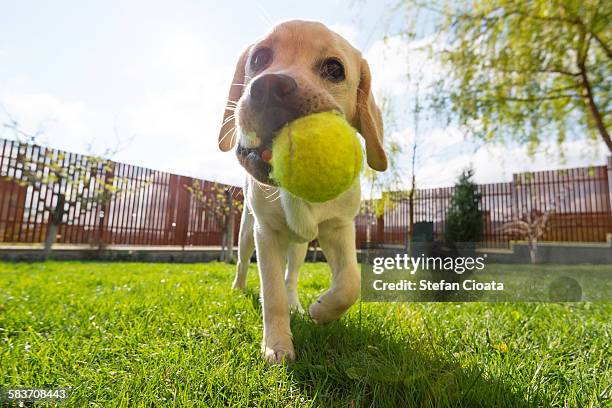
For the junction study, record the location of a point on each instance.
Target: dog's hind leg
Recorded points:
(295, 259)
(246, 247)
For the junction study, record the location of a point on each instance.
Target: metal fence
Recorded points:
(152, 207)
(578, 199)
(145, 207)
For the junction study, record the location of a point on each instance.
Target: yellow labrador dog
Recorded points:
(299, 68)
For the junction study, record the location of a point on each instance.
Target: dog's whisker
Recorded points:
(263, 187)
(258, 185)
(267, 188)
(229, 119)
(276, 198)
(271, 200)
(273, 193)
(226, 134)
(233, 140)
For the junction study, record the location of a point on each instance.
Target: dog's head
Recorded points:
(298, 69)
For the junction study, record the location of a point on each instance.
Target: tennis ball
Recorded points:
(316, 157)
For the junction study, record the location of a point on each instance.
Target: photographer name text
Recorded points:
(442, 285)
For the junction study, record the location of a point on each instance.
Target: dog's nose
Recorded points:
(272, 89)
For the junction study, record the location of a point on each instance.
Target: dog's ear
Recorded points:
(369, 121)
(227, 135)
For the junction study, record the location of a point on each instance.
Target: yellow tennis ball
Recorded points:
(316, 157)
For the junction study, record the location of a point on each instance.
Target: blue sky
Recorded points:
(158, 73)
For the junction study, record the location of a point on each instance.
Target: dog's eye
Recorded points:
(261, 58)
(332, 70)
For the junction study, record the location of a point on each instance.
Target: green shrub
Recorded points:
(464, 221)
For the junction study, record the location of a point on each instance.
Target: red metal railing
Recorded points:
(578, 199)
(155, 209)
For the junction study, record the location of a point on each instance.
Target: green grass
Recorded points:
(130, 334)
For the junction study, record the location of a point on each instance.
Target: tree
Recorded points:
(377, 183)
(536, 214)
(523, 70)
(417, 112)
(220, 202)
(464, 223)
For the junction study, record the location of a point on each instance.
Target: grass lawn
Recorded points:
(130, 334)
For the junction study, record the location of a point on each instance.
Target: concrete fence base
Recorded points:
(563, 253)
(566, 253)
(34, 253)
(133, 254)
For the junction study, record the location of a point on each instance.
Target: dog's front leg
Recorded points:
(337, 240)
(277, 344)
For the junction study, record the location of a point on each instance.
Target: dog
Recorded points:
(297, 69)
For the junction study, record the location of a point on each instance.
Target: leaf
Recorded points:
(501, 347)
(504, 76)
(354, 373)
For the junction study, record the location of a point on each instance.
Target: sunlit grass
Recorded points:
(130, 334)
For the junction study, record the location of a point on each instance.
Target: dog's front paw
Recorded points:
(322, 313)
(279, 354)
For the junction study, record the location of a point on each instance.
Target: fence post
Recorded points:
(380, 229)
(610, 182)
(103, 215)
(516, 210)
(183, 207)
(170, 227)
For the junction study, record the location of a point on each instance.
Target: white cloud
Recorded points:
(179, 120)
(174, 122)
(396, 64)
(494, 163)
(65, 124)
(443, 154)
(174, 131)
(434, 140)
